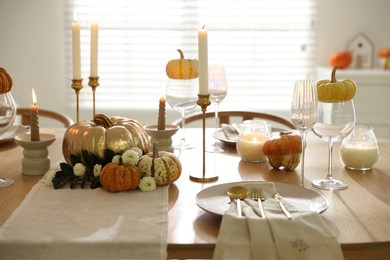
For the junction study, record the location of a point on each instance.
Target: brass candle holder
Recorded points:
(93, 83)
(77, 86)
(204, 102)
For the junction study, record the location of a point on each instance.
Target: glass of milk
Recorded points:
(359, 150)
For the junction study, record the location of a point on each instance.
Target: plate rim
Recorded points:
(320, 210)
(225, 140)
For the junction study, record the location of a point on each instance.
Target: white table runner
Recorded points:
(87, 224)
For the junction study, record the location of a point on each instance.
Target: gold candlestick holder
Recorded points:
(93, 83)
(203, 102)
(77, 85)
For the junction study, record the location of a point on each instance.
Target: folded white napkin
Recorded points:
(305, 236)
(230, 132)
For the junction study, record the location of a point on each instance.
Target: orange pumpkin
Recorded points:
(384, 52)
(115, 177)
(283, 151)
(384, 57)
(5, 81)
(342, 59)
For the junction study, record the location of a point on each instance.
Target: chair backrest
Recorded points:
(278, 122)
(26, 120)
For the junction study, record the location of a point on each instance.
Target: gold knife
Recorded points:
(284, 209)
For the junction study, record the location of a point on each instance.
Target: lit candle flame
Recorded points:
(34, 97)
(75, 16)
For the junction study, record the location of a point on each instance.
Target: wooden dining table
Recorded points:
(358, 216)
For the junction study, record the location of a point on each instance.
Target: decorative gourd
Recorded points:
(341, 59)
(182, 68)
(103, 138)
(283, 151)
(165, 167)
(115, 177)
(5, 81)
(330, 91)
(384, 57)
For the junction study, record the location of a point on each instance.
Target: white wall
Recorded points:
(32, 45)
(342, 20)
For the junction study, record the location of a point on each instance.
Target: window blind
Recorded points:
(265, 46)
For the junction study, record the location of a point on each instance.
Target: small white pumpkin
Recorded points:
(165, 167)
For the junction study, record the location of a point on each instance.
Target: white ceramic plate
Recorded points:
(12, 132)
(214, 199)
(220, 135)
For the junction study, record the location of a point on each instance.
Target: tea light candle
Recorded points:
(76, 49)
(203, 62)
(94, 50)
(250, 147)
(359, 157)
(34, 119)
(161, 114)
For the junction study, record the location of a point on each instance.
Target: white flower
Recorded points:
(97, 169)
(147, 183)
(79, 169)
(136, 149)
(115, 159)
(130, 157)
(49, 177)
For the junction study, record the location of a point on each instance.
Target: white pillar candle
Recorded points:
(76, 50)
(94, 50)
(203, 62)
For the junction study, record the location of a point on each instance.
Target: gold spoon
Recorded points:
(238, 193)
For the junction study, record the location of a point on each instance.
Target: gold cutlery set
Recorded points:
(239, 193)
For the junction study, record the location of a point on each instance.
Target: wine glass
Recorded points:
(304, 112)
(182, 95)
(335, 121)
(218, 91)
(7, 118)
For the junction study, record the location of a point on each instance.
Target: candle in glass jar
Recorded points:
(94, 50)
(203, 62)
(34, 119)
(76, 49)
(250, 147)
(161, 115)
(359, 157)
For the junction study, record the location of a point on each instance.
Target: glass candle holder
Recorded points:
(251, 139)
(359, 150)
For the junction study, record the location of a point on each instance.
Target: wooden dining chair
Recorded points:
(278, 122)
(26, 120)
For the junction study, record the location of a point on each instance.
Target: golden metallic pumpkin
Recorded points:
(5, 81)
(102, 137)
(165, 167)
(115, 177)
(182, 68)
(330, 91)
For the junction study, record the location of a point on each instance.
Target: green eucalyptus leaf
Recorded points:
(95, 183)
(60, 179)
(75, 159)
(74, 182)
(66, 168)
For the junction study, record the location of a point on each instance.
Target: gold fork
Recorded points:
(257, 194)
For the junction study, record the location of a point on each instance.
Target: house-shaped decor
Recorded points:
(362, 51)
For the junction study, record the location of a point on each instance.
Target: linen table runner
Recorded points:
(305, 236)
(87, 224)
